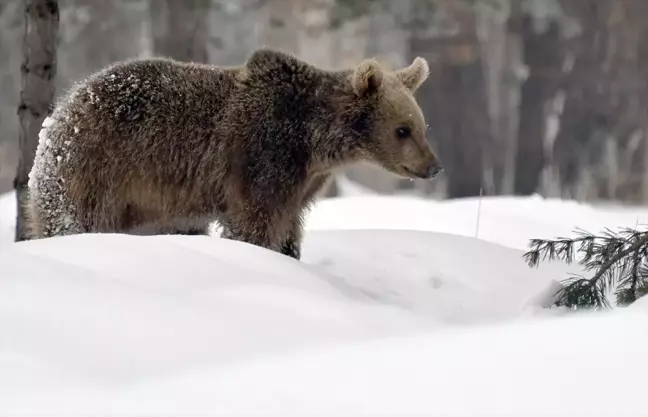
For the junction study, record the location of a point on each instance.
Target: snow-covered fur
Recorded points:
(153, 146)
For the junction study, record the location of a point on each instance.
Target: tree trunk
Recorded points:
(585, 112)
(643, 68)
(543, 59)
(38, 71)
(180, 29)
(454, 100)
(462, 120)
(603, 92)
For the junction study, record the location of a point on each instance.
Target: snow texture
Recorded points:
(53, 213)
(370, 323)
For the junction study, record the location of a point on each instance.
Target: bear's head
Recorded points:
(395, 137)
(374, 116)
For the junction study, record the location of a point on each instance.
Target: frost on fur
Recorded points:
(50, 213)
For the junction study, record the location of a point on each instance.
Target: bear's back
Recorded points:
(134, 126)
(149, 91)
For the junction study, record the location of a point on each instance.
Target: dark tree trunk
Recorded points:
(543, 58)
(453, 100)
(180, 29)
(584, 113)
(38, 71)
(603, 94)
(642, 65)
(467, 132)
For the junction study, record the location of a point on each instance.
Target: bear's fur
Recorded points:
(154, 146)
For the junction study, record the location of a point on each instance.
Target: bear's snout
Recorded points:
(434, 170)
(430, 170)
(425, 169)
(428, 167)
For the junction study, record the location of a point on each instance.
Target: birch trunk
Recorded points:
(37, 72)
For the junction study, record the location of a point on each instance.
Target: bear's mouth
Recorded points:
(413, 174)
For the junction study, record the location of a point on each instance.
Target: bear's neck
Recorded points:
(344, 126)
(333, 149)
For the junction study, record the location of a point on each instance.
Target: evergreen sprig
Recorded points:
(617, 260)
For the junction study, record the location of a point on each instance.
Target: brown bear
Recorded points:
(156, 146)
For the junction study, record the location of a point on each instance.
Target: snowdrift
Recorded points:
(508, 221)
(370, 323)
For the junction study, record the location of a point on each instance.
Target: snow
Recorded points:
(508, 221)
(478, 372)
(348, 188)
(395, 309)
(7, 219)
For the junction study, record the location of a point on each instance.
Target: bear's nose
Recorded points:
(434, 170)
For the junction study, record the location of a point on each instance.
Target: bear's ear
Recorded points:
(414, 75)
(367, 77)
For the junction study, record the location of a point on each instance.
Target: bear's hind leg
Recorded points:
(50, 217)
(189, 232)
(188, 227)
(177, 227)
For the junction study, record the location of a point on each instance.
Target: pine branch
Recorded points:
(561, 248)
(636, 282)
(615, 257)
(580, 292)
(636, 245)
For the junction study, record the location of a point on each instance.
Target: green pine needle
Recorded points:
(617, 261)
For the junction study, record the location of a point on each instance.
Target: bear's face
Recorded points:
(398, 140)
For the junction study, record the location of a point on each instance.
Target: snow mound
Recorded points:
(87, 319)
(370, 323)
(508, 221)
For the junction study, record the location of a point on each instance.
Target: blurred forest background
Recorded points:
(524, 97)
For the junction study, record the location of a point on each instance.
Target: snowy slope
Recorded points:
(536, 369)
(371, 322)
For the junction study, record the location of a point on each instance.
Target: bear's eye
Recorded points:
(403, 132)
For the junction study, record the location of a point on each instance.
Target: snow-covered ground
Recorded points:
(508, 221)
(409, 314)
(7, 219)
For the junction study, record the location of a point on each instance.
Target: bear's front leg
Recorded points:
(291, 246)
(291, 243)
(255, 226)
